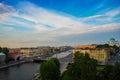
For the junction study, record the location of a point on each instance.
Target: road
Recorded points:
(64, 61)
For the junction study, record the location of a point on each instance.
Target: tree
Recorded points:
(6, 51)
(106, 73)
(103, 46)
(116, 72)
(0, 49)
(49, 70)
(74, 70)
(116, 48)
(56, 61)
(109, 72)
(77, 56)
(91, 73)
(113, 49)
(88, 68)
(83, 68)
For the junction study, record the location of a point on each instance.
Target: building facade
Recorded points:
(25, 52)
(29, 52)
(101, 55)
(15, 54)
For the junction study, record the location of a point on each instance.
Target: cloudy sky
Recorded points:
(26, 23)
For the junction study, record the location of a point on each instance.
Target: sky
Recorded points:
(31, 23)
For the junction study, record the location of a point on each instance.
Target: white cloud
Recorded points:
(113, 12)
(107, 27)
(5, 11)
(5, 8)
(47, 24)
(103, 16)
(3, 17)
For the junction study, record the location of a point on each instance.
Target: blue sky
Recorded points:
(26, 23)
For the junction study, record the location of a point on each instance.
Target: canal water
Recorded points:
(19, 72)
(24, 71)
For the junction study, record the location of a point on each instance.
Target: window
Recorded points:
(100, 55)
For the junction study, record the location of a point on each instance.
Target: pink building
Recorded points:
(15, 54)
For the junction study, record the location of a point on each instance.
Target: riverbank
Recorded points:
(29, 59)
(11, 64)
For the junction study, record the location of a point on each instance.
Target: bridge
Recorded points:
(26, 60)
(38, 60)
(11, 64)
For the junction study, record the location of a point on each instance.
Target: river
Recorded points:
(20, 72)
(24, 71)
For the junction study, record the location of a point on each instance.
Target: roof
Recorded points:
(85, 47)
(89, 49)
(112, 39)
(1, 53)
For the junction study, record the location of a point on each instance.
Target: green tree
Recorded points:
(88, 68)
(116, 48)
(78, 56)
(0, 49)
(116, 72)
(56, 61)
(106, 73)
(91, 73)
(75, 70)
(6, 51)
(83, 67)
(49, 70)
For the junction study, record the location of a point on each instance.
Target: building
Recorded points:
(25, 52)
(113, 42)
(101, 55)
(34, 52)
(29, 52)
(2, 57)
(15, 54)
(43, 50)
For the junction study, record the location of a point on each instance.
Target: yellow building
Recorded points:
(30, 52)
(101, 55)
(25, 52)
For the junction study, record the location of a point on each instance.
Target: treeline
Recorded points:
(82, 68)
(116, 48)
(85, 68)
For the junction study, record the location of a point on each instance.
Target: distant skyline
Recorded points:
(31, 23)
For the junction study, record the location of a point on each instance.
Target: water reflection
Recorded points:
(20, 72)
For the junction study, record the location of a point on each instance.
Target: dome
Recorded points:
(112, 39)
(1, 53)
